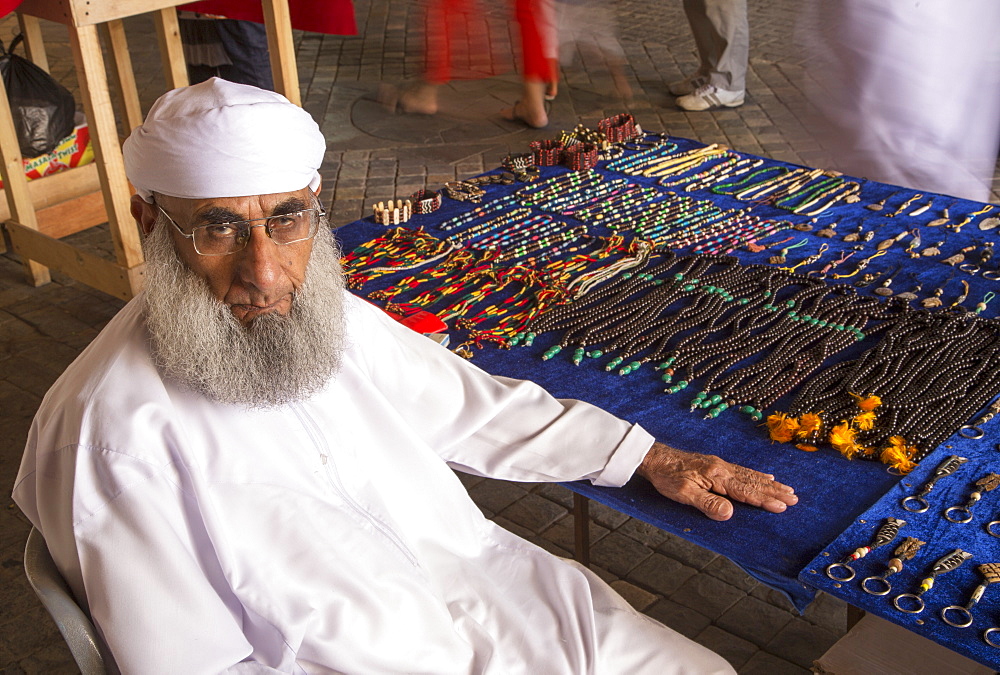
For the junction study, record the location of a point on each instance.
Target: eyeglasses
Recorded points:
(228, 238)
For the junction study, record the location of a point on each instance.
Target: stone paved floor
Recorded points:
(374, 155)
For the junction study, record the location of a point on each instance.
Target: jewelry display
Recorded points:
(943, 565)
(946, 468)
(985, 484)
(619, 128)
(989, 223)
(974, 429)
(546, 153)
(884, 535)
(991, 575)
(932, 250)
(910, 296)
(883, 289)
(921, 209)
(944, 219)
(905, 551)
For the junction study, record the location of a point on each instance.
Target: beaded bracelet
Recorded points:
(425, 201)
(463, 191)
(580, 157)
(618, 128)
(547, 153)
(393, 213)
(517, 161)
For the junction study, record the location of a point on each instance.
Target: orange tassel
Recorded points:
(865, 421)
(899, 455)
(806, 448)
(867, 403)
(842, 440)
(809, 424)
(781, 427)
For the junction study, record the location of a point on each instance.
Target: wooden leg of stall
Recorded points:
(581, 529)
(33, 44)
(124, 75)
(168, 32)
(282, 50)
(16, 187)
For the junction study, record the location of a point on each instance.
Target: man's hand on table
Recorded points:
(699, 480)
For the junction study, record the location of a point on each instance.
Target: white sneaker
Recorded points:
(708, 96)
(687, 85)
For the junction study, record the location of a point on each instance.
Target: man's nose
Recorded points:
(260, 262)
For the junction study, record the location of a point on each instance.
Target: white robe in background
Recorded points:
(329, 535)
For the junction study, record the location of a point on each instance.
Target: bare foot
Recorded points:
(421, 100)
(518, 112)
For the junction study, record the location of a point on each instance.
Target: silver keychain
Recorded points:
(991, 574)
(879, 584)
(946, 468)
(885, 533)
(944, 564)
(988, 482)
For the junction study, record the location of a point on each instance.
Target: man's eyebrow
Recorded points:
(221, 214)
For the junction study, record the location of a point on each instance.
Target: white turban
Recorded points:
(221, 139)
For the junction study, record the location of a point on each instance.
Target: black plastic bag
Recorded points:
(42, 108)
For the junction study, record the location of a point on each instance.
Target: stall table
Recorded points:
(836, 496)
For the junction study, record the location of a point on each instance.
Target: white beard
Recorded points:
(198, 342)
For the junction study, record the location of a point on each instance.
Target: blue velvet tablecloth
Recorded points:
(833, 492)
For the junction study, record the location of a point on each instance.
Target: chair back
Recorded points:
(74, 624)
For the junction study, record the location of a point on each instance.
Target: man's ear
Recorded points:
(318, 188)
(144, 214)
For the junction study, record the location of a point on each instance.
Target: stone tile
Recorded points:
(827, 612)
(496, 495)
(684, 620)
(763, 663)
(533, 512)
(618, 553)
(661, 574)
(637, 597)
(686, 552)
(733, 649)
(801, 642)
(725, 569)
(708, 595)
(563, 533)
(642, 532)
(557, 493)
(754, 620)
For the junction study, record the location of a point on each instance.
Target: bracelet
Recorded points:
(529, 174)
(425, 201)
(580, 157)
(618, 128)
(518, 162)
(502, 178)
(464, 191)
(547, 153)
(393, 213)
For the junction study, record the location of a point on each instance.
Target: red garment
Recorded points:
(334, 17)
(8, 6)
(451, 21)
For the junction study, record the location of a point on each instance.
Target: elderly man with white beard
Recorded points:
(250, 469)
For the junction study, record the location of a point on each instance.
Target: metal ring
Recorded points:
(864, 586)
(988, 637)
(970, 268)
(956, 608)
(833, 566)
(920, 602)
(947, 512)
(973, 430)
(992, 276)
(919, 500)
(989, 528)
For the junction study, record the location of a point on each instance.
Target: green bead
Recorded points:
(823, 323)
(679, 276)
(757, 416)
(687, 287)
(627, 275)
(789, 303)
(806, 317)
(659, 282)
(694, 281)
(744, 301)
(667, 377)
(748, 409)
(595, 354)
(705, 404)
(767, 294)
(716, 398)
